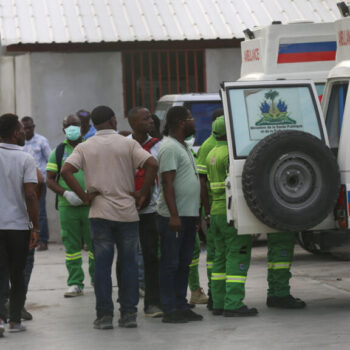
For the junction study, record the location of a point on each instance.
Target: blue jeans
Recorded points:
(105, 234)
(176, 249)
(44, 228)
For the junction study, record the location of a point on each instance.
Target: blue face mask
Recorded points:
(72, 132)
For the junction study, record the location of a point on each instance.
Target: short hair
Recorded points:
(218, 112)
(134, 110)
(173, 117)
(101, 114)
(9, 123)
(27, 119)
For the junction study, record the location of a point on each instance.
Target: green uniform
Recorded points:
(203, 152)
(74, 224)
(232, 252)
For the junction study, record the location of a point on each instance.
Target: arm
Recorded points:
(204, 194)
(169, 196)
(33, 212)
(151, 168)
(40, 185)
(52, 184)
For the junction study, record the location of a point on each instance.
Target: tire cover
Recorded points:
(291, 181)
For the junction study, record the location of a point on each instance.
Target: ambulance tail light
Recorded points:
(341, 212)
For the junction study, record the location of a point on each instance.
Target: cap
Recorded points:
(83, 113)
(219, 128)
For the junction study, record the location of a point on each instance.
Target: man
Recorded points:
(206, 198)
(178, 208)
(109, 162)
(19, 212)
(73, 213)
(38, 147)
(87, 130)
(232, 252)
(141, 122)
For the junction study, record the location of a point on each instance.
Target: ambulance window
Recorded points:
(202, 114)
(256, 112)
(334, 117)
(320, 90)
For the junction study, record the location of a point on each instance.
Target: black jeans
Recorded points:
(14, 245)
(149, 244)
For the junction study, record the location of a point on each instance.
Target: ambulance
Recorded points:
(290, 157)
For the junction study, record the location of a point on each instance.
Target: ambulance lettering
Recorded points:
(252, 55)
(344, 38)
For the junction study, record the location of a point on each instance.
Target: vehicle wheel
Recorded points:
(291, 181)
(306, 241)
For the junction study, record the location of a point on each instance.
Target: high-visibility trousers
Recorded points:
(231, 264)
(193, 276)
(279, 256)
(75, 230)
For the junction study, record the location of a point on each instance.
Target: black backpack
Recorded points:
(59, 157)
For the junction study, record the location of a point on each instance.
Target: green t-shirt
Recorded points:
(217, 167)
(175, 156)
(203, 152)
(52, 166)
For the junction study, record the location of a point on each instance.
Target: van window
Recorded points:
(320, 89)
(202, 114)
(257, 111)
(335, 112)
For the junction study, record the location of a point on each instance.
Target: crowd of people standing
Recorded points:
(138, 190)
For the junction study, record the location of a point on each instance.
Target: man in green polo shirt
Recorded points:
(73, 213)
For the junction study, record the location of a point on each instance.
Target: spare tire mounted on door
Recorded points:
(291, 181)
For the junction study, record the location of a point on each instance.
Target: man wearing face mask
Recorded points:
(73, 213)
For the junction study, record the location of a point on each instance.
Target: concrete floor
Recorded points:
(63, 324)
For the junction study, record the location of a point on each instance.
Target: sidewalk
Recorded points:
(65, 324)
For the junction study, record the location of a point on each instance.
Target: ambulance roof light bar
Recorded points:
(344, 9)
(249, 34)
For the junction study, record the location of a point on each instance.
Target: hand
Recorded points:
(90, 197)
(72, 198)
(175, 223)
(207, 219)
(34, 239)
(141, 199)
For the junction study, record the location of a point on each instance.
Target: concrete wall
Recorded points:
(50, 86)
(222, 65)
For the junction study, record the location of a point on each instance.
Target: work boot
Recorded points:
(198, 296)
(191, 316)
(286, 302)
(105, 322)
(128, 320)
(25, 315)
(174, 317)
(241, 312)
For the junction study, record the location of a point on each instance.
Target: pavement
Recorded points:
(66, 324)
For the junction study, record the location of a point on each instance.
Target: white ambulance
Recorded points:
(289, 160)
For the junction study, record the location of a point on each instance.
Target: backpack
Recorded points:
(59, 157)
(140, 174)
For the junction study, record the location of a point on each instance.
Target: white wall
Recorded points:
(222, 65)
(50, 86)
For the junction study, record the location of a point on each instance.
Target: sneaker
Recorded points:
(25, 315)
(287, 302)
(217, 312)
(128, 321)
(174, 317)
(141, 292)
(15, 327)
(241, 312)
(42, 247)
(2, 328)
(153, 311)
(191, 316)
(105, 322)
(73, 291)
(198, 296)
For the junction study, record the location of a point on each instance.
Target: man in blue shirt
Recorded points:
(38, 147)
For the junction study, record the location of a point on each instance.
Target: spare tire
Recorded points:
(291, 181)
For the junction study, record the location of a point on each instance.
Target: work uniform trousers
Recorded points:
(75, 229)
(231, 264)
(280, 256)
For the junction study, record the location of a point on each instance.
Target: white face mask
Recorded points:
(190, 141)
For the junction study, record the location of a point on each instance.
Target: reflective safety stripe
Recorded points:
(91, 255)
(217, 185)
(279, 265)
(52, 167)
(235, 279)
(74, 256)
(194, 262)
(218, 276)
(202, 169)
(210, 264)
